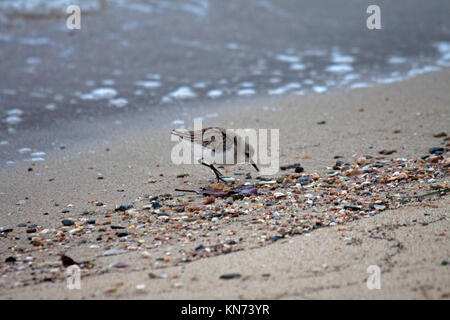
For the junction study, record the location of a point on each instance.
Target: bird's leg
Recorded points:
(216, 172)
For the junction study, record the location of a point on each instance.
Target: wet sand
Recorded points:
(410, 244)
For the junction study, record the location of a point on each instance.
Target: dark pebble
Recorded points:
(68, 222)
(436, 151)
(31, 230)
(229, 276)
(354, 208)
(91, 221)
(120, 190)
(122, 234)
(22, 225)
(10, 260)
(198, 247)
(65, 211)
(124, 207)
(387, 152)
(304, 180)
(117, 227)
(156, 205)
(440, 135)
(290, 166)
(299, 169)
(444, 262)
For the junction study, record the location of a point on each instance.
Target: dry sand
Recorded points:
(409, 244)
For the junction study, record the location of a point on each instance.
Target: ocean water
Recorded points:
(134, 56)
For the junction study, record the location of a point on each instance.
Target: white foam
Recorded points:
(246, 92)
(319, 89)
(36, 159)
(183, 93)
(274, 80)
(153, 76)
(24, 150)
(177, 122)
(416, 71)
(200, 85)
(232, 46)
(351, 76)
(214, 93)
(212, 115)
(50, 107)
(396, 60)
(297, 66)
(287, 58)
(389, 80)
(247, 84)
(38, 154)
(148, 84)
(14, 112)
(13, 120)
(339, 58)
(119, 102)
(443, 47)
(104, 93)
(3, 143)
(285, 88)
(339, 68)
(359, 85)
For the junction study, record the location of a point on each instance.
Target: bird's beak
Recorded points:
(254, 165)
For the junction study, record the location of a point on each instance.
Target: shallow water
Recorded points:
(134, 56)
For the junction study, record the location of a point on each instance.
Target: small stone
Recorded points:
(444, 262)
(145, 254)
(20, 202)
(279, 195)
(387, 152)
(10, 260)
(123, 234)
(156, 205)
(114, 252)
(229, 276)
(91, 221)
(436, 151)
(140, 287)
(123, 207)
(440, 135)
(68, 222)
(119, 265)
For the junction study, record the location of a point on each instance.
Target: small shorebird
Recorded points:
(213, 143)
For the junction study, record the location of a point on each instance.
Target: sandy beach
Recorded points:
(107, 166)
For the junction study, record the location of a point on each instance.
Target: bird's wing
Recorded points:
(214, 138)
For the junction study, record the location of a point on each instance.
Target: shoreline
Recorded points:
(403, 117)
